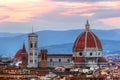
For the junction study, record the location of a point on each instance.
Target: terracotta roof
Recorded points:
(21, 52)
(79, 60)
(12, 68)
(102, 59)
(59, 55)
(41, 73)
(111, 63)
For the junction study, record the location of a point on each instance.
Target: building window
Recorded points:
(31, 45)
(31, 54)
(59, 60)
(98, 53)
(35, 53)
(23, 58)
(35, 61)
(68, 60)
(43, 57)
(90, 54)
(31, 61)
(35, 45)
(51, 60)
(80, 54)
(73, 58)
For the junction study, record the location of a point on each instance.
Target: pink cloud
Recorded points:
(87, 14)
(80, 11)
(115, 21)
(78, 8)
(22, 11)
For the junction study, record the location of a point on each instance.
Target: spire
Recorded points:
(87, 26)
(24, 49)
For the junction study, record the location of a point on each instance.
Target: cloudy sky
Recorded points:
(20, 15)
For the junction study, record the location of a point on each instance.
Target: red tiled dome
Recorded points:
(19, 54)
(102, 59)
(87, 39)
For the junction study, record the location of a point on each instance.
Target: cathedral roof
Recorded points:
(102, 59)
(18, 54)
(86, 39)
(60, 55)
(21, 52)
(79, 60)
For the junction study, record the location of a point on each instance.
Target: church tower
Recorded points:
(43, 58)
(33, 50)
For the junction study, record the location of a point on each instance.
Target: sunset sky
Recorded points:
(18, 16)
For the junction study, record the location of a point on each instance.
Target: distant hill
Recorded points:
(109, 47)
(57, 41)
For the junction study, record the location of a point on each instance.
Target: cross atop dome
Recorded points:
(87, 26)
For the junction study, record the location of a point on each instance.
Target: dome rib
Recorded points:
(94, 40)
(86, 39)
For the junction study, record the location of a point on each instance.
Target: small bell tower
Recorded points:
(43, 58)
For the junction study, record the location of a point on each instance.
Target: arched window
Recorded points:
(35, 53)
(35, 61)
(99, 53)
(31, 54)
(31, 45)
(51, 60)
(80, 54)
(68, 60)
(59, 60)
(31, 61)
(43, 57)
(35, 45)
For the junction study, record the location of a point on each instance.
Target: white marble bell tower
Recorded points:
(33, 50)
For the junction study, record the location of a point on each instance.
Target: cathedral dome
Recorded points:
(87, 39)
(20, 53)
